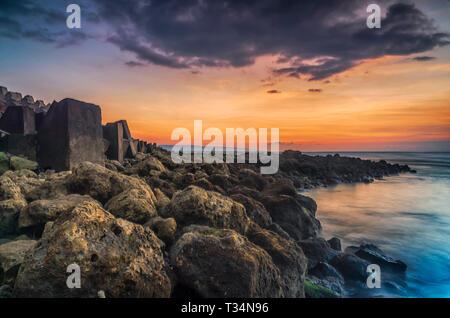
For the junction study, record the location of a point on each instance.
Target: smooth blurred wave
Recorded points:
(408, 216)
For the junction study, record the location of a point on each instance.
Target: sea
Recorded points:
(406, 215)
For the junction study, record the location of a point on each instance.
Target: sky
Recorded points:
(313, 69)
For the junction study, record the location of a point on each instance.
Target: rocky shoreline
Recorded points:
(139, 225)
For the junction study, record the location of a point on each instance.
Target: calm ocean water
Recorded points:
(407, 216)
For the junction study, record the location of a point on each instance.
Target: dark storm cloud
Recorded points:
(315, 38)
(424, 58)
(41, 21)
(234, 33)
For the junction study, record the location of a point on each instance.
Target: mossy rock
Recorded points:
(18, 163)
(313, 290)
(4, 163)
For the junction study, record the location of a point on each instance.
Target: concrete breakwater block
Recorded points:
(70, 133)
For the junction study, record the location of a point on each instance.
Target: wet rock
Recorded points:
(286, 255)
(195, 205)
(134, 205)
(374, 255)
(327, 276)
(294, 218)
(121, 258)
(316, 250)
(314, 290)
(5, 291)
(282, 186)
(11, 257)
(335, 243)
(70, 133)
(33, 217)
(254, 209)
(222, 263)
(165, 229)
(350, 266)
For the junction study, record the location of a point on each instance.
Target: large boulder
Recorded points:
(121, 258)
(195, 205)
(286, 255)
(350, 266)
(50, 186)
(11, 257)
(101, 183)
(374, 255)
(134, 205)
(294, 218)
(35, 215)
(222, 263)
(255, 210)
(70, 133)
(145, 167)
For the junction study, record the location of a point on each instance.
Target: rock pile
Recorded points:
(139, 225)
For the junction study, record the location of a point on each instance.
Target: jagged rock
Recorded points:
(144, 168)
(195, 205)
(251, 179)
(18, 163)
(161, 200)
(113, 132)
(33, 217)
(103, 184)
(165, 229)
(204, 183)
(294, 218)
(374, 255)
(282, 186)
(70, 133)
(350, 266)
(254, 209)
(224, 264)
(335, 243)
(286, 255)
(53, 186)
(18, 120)
(11, 202)
(326, 275)
(316, 250)
(11, 257)
(252, 193)
(134, 205)
(121, 258)
(166, 187)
